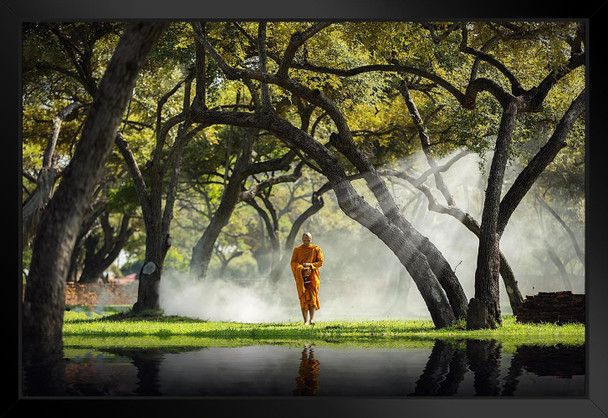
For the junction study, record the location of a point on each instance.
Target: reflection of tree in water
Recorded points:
(44, 371)
(484, 361)
(148, 365)
(444, 371)
(449, 362)
(307, 382)
(147, 362)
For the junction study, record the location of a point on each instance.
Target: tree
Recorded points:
(62, 65)
(271, 216)
(450, 208)
(45, 180)
(98, 258)
(484, 309)
(45, 293)
(157, 183)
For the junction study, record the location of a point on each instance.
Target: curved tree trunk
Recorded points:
(412, 259)
(203, 250)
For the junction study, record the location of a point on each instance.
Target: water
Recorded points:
(477, 368)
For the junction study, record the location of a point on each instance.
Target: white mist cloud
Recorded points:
(223, 300)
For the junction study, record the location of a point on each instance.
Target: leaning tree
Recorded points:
(44, 299)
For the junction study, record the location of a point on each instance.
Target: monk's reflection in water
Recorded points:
(307, 382)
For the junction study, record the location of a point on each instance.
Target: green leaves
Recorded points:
(62, 63)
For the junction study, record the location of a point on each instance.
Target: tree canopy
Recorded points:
(242, 128)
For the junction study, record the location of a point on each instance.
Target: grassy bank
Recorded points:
(123, 329)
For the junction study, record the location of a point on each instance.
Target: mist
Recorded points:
(360, 278)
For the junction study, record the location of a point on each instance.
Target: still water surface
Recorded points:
(477, 368)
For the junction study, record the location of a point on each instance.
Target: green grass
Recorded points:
(124, 329)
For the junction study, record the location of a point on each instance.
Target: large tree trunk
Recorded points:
(410, 257)
(496, 213)
(484, 308)
(150, 273)
(434, 258)
(44, 300)
(157, 221)
(158, 240)
(446, 276)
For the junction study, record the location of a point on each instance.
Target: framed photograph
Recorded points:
(344, 167)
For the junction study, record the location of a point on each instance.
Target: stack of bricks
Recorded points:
(556, 307)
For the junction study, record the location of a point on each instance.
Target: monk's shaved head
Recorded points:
(306, 238)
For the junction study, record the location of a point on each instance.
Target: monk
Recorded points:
(305, 263)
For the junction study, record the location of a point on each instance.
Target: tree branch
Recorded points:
(296, 41)
(539, 162)
(259, 187)
(516, 87)
(138, 180)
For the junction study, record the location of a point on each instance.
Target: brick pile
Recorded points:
(556, 307)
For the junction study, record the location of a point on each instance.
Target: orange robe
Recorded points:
(309, 294)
